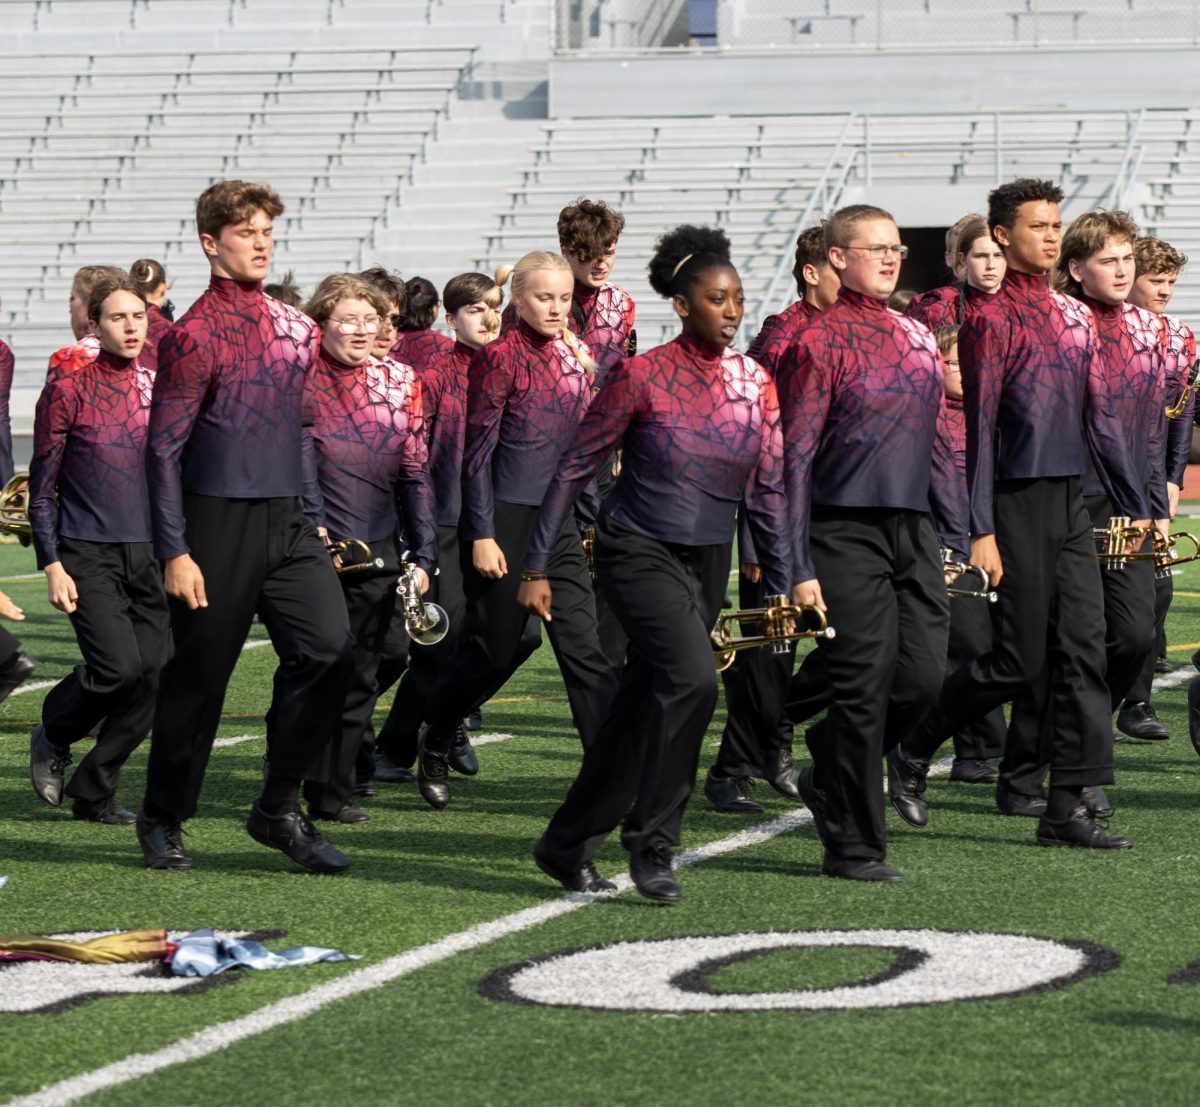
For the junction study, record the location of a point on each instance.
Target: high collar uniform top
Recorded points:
(444, 397)
(779, 332)
(1180, 355)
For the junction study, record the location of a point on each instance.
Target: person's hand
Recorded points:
(1163, 526)
(1173, 491)
(323, 535)
(534, 596)
(488, 558)
(422, 579)
(752, 572)
(808, 594)
(10, 610)
(616, 465)
(986, 554)
(183, 580)
(1143, 525)
(60, 589)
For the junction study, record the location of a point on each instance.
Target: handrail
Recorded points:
(1116, 196)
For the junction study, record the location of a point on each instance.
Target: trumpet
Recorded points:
(587, 539)
(958, 589)
(778, 623)
(1175, 410)
(1166, 555)
(426, 623)
(354, 556)
(1119, 543)
(14, 507)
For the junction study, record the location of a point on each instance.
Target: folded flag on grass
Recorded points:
(203, 953)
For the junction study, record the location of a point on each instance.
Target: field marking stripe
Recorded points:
(213, 1039)
(1171, 680)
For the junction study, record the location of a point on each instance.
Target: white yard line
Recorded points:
(216, 1038)
(1173, 680)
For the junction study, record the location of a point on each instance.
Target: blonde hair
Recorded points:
(968, 234)
(343, 286)
(472, 288)
(1155, 256)
(539, 261)
(954, 235)
(1085, 237)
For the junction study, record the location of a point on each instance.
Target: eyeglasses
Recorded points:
(352, 324)
(949, 363)
(878, 253)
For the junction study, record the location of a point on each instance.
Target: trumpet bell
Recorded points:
(14, 507)
(779, 623)
(431, 628)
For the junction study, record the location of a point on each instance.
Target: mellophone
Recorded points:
(1120, 542)
(959, 588)
(426, 623)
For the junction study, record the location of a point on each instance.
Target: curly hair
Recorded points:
(683, 254)
(1005, 201)
(587, 229)
(810, 250)
(227, 203)
(1153, 255)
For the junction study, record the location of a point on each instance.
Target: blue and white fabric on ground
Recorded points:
(203, 953)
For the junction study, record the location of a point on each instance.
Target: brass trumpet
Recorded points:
(587, 539)
(956, 590)
(355, 556)
(426, 623)
(778, 623)
(1175, 410)
(1119, 543)
(14, 507)
(1166, 555)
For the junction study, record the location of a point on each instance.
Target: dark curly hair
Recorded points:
(1004, 201)
(682, 255)
(587, 228)
(420, 312)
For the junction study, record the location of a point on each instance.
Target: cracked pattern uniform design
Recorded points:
(1180, 354)
(421, 349)
(701, 432)
(444, 393)
(156, 330)
(940, 307)
(780, 332)
(227, 407)
(88, 472)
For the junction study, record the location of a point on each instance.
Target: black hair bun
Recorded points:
(707, 244)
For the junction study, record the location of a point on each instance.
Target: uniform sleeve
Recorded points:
(765, 349)
(948, 491)
(7, 365)
(982, 350)
(184, 375)
(491, 381)
(616, 406)
(1179, 429)
(53, 418)
(805, 393)
(765, 504)
(414, 488)
(311, 499)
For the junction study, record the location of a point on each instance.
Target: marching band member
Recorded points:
(150, 280)
(416, 343)
(368, 477)
(979, 262)
(90, 513)
(700, 427)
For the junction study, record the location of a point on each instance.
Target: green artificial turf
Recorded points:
(1123, 1037)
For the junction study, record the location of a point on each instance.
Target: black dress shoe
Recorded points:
(47, 766)
(1009, 802)
(583, 879)
(162, 843)
(966, 770)
(108, 811)
(653, 876)
(731, 795)
(474, 720)
(781, 774)
(347, 814)
(462, 757)
(1079, 830)
(1162, 665)
(858, 868)
(431, 779)
(1137, 720)
(1096, 802)
(18, 670)
(1194, 713)
(364, 788)
(389, 772)
(906, 787)
(293, 835)
(814, 800)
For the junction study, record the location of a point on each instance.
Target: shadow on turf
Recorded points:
(1149, 1020)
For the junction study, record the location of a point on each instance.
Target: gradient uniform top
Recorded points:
(1035, 396)
(366, 465)
(947, 306)
(1130, 348)
(157, 326)
(72, 357)
(1180, 355)
(701, 433)
(87, 478)
(444, 399)
(7, 368)
(421, 349)
(864, 420)
(526, 394)
(228, 403)
(779, 332)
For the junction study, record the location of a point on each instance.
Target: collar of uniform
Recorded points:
(861, 300)
(700, 351)
(1102, 310)
(341, 368)
(1029, 286)
(534, 338)
(236, 292)
(585, 294)
(113, 363)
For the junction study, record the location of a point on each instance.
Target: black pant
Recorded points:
(971, 637)
(398, 736)
(1049, 620)
(495, 640)
(756, 686)
(122, 628)
(370, 604)
(1142, 688)
(264, 557)
(642, 766)
(882, 581)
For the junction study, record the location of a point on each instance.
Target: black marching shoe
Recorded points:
(474, 720)
(652, 874)
(389, 772)
(462, 757)
(814, 800)
(346, 814)
(906, 787)
(1079, 830)
(292, 834)
(1096, 802)
(968, 770)
(859, 868)
(18, 670)
(431, 779)
(364, 788)
(1138, 720)
(162, 843)
(583, 879)
(731, 795)
(1009, 802)
(1194, 713)
(1162, 665)
(108, 811)
(47, 766)
(781, 774)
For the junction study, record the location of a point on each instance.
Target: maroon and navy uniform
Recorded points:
(779, 332)
(701, 432)
(421, 349)
(72, 357)
(226, 483)
(1180, 356)
(947, 306)
(7, 366)
(90, 512)
(157, 326)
